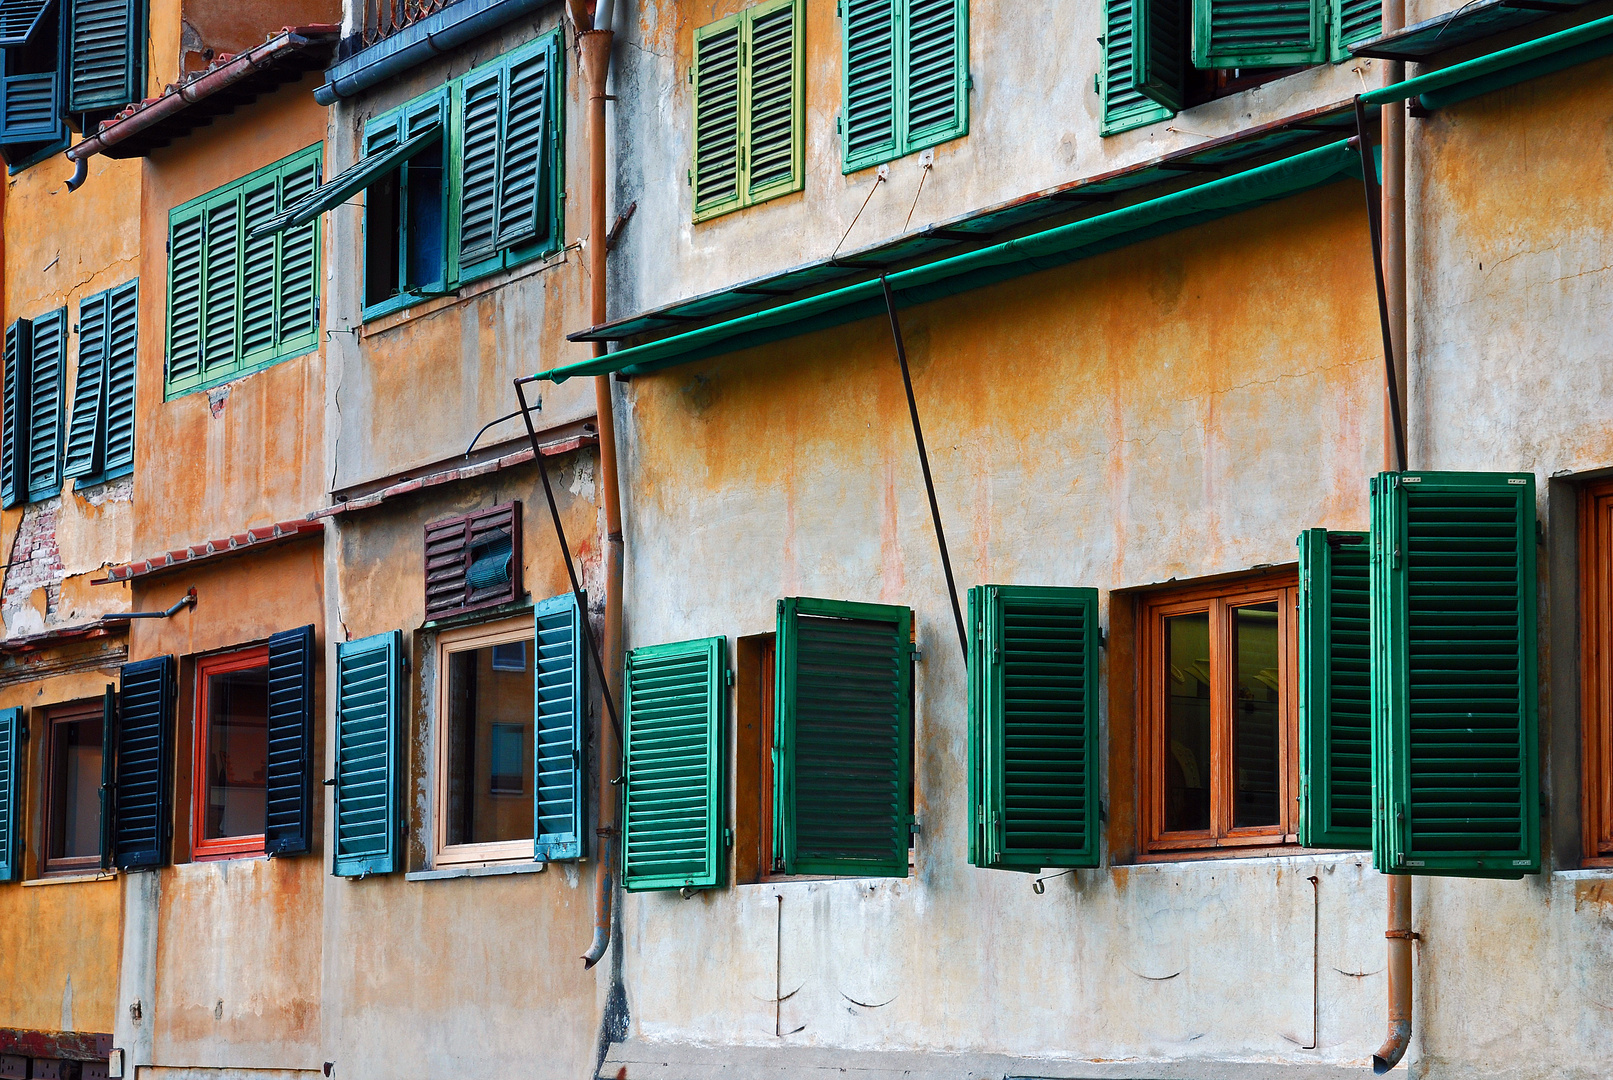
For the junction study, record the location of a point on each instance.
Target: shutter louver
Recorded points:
(368, 755)
(122, 358)
(185, 301)
(19, 20)
(1454, 695)
(479, 168)
(1259, 33)
(103, 55)
(522, 173)
(142, 819)
(258, 276)
(30, 107)
(46, 375)
(221, 287)
(14, 433)
(560, 688)
(936, 71)
(869, 98)
(1160, 51)
(297, 316)
(1355, 21)
(86, 436)
(773, 162)
(11, 768)
(717, 117)
(1033, 726)
(843, 738)
(289, 793)
(1335, 691)
(672, 825)
(473, 561)
(1124, 105)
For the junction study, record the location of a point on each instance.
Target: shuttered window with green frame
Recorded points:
(905, 77)
(238, 302)
(674, 740)
(100, 436)
(368, 770)
(1033, 727)
(1455, 752)
(1259, 33)
(406, 206)
(748, 80)
(843, 738)
(1335, 691)
(1125, 105)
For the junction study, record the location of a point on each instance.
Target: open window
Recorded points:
(32, 66)
(74, 755)
(230, 782)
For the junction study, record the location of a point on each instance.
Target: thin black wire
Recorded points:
(1369, 177)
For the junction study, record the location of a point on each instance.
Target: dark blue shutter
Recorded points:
(46, 376)
(560, 707)
(14, 433)
(20, 20)
(288, 828)
(86, 440)
(109, 757)
(368, 755)
(104, 52)
(11, 770)
(142, 817)
(122, 355)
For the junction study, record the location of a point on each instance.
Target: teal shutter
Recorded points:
(935, 72)
(843, 766)
(773, 94)
(221, 287)
(184, 362)
(105, 47)
(1259, 33)
(144, 772)
(672, 825)
(109, 757)
(14, 433)
(297, 298)
(1124, 105)
(122, 358)
(30, 106)
(86, 436)
(289, 773)
(1355, 21)
(479, 167)
(20, 20)
(369, 755)
(259, 280)
(1454, 695)
(1160, 51)
(718, 117)
(1034, 726)
(562, 703)
(1335, 692)
(46, 378)
(523, 173)
(11, 770)
(868, 98)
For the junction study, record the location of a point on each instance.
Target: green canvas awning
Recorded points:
(988, 266)
(347, 183)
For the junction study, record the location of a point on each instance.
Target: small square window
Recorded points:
(510, 656)
(72, 840)
(230, 783)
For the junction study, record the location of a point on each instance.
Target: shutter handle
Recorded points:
(330, 783)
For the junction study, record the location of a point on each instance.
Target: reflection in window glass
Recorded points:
(1187, 722)
(490, 751)
(1255, 716)
(75, 790)
(237, 753)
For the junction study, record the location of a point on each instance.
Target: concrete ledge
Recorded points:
(448, 873)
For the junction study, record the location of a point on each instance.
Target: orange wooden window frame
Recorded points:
(1596, 671)
(56, 717)
(233, 847)
(1217, 601)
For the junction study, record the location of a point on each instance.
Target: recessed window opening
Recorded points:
(232, 754)
(72, 840)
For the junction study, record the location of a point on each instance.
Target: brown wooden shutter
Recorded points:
(473, 561)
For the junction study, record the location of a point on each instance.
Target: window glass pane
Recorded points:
(75, 810)
(1255, 716)
(237, 753)
(424, 238)
(382, 224)
(1187, 722)
(490, 751)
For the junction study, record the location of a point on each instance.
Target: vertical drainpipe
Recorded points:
(594, 52)
(1393, 118)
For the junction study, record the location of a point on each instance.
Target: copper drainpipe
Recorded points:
(594, 51)
(1393, 120)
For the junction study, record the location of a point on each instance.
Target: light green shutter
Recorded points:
(14, 434)
(718, 110)
(773, 94)
(1259, 33)
(105, 47)
(1335, 693)
(1160, 51)
(672, 826)
(86, 445)
(12, 760)
(369, 756)
(1355, 21)
(843, 767)
(259, 279)
(46, 384)
(184, 362)
(561, 705)
(221, 286)
(1033, 726)
(934, 77)
(123, 354)
(1454, 694)
(523, 172)
(482, 136)
(868, 98)
(1124, 106)
(297, 299)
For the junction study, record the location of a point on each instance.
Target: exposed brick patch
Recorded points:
(36, 562)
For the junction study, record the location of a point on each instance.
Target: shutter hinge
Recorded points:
(1103, 638)
(1096, 87)
(969, 81)
(330, 783)
(728, 837)
(728, 677)
(405, 658)
(167, 247)
(1540, 533)
(915, 826)
(838, 129)
(918, 655)
(691, 74)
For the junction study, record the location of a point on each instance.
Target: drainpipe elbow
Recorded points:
(1394, 1048)
(596, 951)
(81, 171)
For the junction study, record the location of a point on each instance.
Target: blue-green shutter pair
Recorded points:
(100, 52)
(35, 379)
(100, 437)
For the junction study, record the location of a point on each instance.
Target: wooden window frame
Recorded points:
(1596, 672)
(56, 716)
(464, 639)
(232, 847)
(1216, 600)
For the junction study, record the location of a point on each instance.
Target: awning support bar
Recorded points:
(571, 569)
(924, 463)
(1369, 177)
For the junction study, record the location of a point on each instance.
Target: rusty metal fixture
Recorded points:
(188, 600)
(383, 18)
(1400, 937)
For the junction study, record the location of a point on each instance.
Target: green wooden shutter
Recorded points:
(1259, 33)
(1160, 51)
(184, 361)
(289, 776)
(843, 767)
(12, 762)
(86, 435)
(14, 433)
(1124, 105)
(19, 20)
(1454, 695)
(562, 704)
(523, 173)
(259, 279)
(672, 825)
(773, 95)
(482, 135)
(104, 53)
(868, 97)
(1034, 726)
(1335, 692)
(718, 117)
(934, 77)
(297, 298)
(221, 287)
(142, 807)
(369, 755)
(122, 358)
(1355, 21)
(46, 383)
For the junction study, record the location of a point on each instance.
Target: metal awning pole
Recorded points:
(1369, 177)
(924, 463)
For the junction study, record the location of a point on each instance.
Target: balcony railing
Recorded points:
(383, 18)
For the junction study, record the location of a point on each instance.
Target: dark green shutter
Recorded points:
(523, 172)
(221, 286)
(560, 686)
(672, 825)
(297, 300)
(289, 791)
(184, 361)
(86, 435)
(19, 20)
(1259, 33)
(12, 767)
(934, 72)
(105, 47)
(1355, 21)
(868, 121)
(369, 747)
(1160, 51)
(773, 83)
(109, 757)
(14, 432)
(122, 358)
(1335, 691)
(718, 112)
(258, 276)
(1033, 726)
(46, 385)
(30, 106)
(1124, 105)
(843, 765)
(483, 132)
(1454, 695)
(143, 825)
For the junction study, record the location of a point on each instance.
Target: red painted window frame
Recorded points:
(234, 847)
